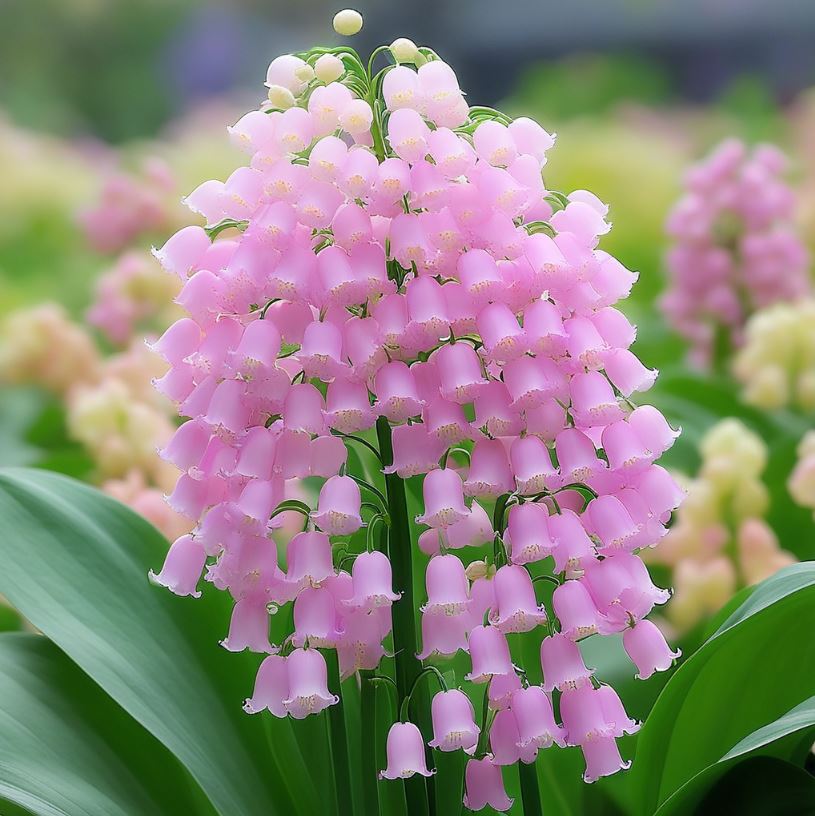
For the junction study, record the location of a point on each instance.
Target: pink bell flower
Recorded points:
(489, 652)
(359, 648)
(501, 689)
(484, 785)
(602, 758)
(531, 380)
(535, 719)
(647, 648)
(563, 666)
(348, 408)
(408, 134)
(308, 684)
(593, 400)
(447, 587)
(415, 451)
(443, 635)
(532, 465)
(338, 507)
(504, 738)
(489, 473)
(472, 531)
(575, 610)
(460, 372)
(495, 412)
(271, 688)
(504, 339)
(516, 609)
(405, 750)
(453, 722)
(528, 533)
(372, 581)
(249, 627)
(397, 397)
(309, 559)
(446, 422)
(576, 456)
(572, 545)
(182, 567)
(315, 619)
(443, 494)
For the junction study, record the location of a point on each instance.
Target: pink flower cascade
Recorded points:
(395, 263)
(735, 249)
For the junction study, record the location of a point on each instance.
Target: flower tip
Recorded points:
(404, 50)
(280, 97)
(347, 22)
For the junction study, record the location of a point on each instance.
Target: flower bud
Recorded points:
(328, 68)
(280, 97)
(347, 22)
(404, 50)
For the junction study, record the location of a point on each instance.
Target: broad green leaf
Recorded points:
(75, 564)
(67, 748)
(752, 671)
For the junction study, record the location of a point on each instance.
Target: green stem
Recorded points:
(530, 792)
(404, 623)
(369, 769)
(339, 739)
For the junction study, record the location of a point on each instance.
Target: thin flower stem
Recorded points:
(404, 623)
(530, 791)
(405, 710)
(361, 441)
(339, 738)
(370, 794)
(371, 489)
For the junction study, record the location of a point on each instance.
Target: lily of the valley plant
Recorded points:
(388, 279)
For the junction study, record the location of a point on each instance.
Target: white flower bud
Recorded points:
(305, 73)
(282, 98)
(328, 68)
(347, 22)
(404, 50)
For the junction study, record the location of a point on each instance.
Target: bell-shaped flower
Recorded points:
(372, 582)
(576, 456)
(504, 738)
(532, 466)
(612, 524)
(396, 395)
(447, 587)
(303, 409)
(443, 494)
(405, 750)
(182, 567)
(363, 344)
(338, 507)
(489, 652)
(249, 627)
(516, 608)
(503, 338)
(626, 452)
(602, 759)
(472, 531)
(478, 274)
(614, 713)
(647, 648)
(593, 400)
(531, 380)
(460, 372)
(271, 688)
(575, 610)
(543, 326)
(321, 351)
(627, 373)
(572, 545)
(415, 451)
(495, 412)
(359, 648)
(348, 408)
(446, 421)
(308, 684)
(535, 719)
(659, 490)
(501, 689)
(408, 134)
(652, 429)
(315, 619)
(427, 313)
(562, 663)
(489, 473)
(453, 722)
(308, 559)
(484, 785)
(528, 535)
(443, 634)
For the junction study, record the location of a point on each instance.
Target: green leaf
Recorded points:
(75, 564)
(752, 671)
(67, 748)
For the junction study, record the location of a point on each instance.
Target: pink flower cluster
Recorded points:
(735, 249)
(129, 205)
(406, 275)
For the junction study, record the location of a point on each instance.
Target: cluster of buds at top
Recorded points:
(720, 540)
(734, 247)
(390, 275)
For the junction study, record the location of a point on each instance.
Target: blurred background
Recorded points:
(110, 112)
